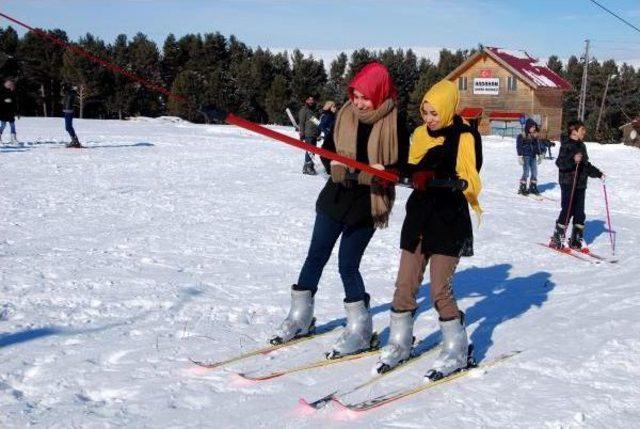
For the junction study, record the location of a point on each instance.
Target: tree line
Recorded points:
(256, 83)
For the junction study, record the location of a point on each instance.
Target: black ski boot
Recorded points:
(75, 143)
(533, 188)
(309, 169)
(577, 241)
(522, 190)
(557, 239)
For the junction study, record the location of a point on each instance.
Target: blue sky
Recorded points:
(542, 27)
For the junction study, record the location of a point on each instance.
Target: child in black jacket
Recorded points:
(574, 166)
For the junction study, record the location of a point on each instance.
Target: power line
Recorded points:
(617, 16)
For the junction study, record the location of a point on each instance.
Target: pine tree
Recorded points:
(308, 77)
(555, 64)
(41, 63)
(119, 100)
(336, 87)
(145, 62)
(276, 100)
(172, 60)
(187, 84)
(573, 74)
(359, 59)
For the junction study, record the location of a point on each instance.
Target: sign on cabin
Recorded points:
(486, 86)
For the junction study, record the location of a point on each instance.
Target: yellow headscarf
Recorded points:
(444, 97)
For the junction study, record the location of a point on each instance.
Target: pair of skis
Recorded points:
(336, 397)
(584, 254)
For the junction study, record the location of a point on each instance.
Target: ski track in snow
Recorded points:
(163, 241)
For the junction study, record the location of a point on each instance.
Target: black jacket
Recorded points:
(69, 100)
(567, 166)
(439, 217)
(352, 206)
(8, 106)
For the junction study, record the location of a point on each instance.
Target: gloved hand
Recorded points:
(420, 179)
(378, 185)
(365, 178)
(521, 160)
(539, 157)
(338, 172)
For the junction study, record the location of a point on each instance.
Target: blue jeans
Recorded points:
(312, 141)
(12, 125)
(352, 246)
(68, 124)
(530, 166)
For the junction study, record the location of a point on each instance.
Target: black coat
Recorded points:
(352, 206)
(8, 106)
(439, 217)
(567, 166)
(69, 100)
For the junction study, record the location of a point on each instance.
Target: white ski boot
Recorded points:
(358, 335)
(14, 140)
(456, 353)
(300, 321)
(400, 341)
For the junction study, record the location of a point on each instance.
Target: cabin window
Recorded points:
(511, 83)
(462, 83)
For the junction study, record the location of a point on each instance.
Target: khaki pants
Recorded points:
(410, 275)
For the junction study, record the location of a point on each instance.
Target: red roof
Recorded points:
(471, 112)
(531, 68)
(496, 114)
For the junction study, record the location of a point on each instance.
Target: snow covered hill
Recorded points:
(164, 241)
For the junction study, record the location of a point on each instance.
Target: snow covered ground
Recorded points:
(167, 240)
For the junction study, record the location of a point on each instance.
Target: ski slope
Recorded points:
(164, 241)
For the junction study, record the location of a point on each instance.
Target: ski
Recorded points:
(385, 399)
(260, 351)
(586, 251)
(567, 251)
(316, 364)
(319, 403)
(538, 197)
(292, 119)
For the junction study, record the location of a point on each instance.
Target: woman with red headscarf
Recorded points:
(352, 205)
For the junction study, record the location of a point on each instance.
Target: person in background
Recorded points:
(573, 166)
(327, 121)
(8, 109)
(529, 156)
(68, 103)
(308, 124)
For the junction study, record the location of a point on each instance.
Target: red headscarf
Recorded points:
(374, 81)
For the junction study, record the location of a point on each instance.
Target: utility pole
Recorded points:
(583, 88)
(604, 97)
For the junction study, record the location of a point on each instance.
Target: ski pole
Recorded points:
(573, 190)
(606, 204)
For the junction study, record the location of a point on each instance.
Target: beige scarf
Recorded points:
(382, 149)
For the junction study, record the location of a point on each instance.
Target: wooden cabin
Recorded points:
(500, 88)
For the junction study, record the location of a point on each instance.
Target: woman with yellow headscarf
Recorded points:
(437, 229)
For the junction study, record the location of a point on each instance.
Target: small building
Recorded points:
(631, 133)
(499, 88)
